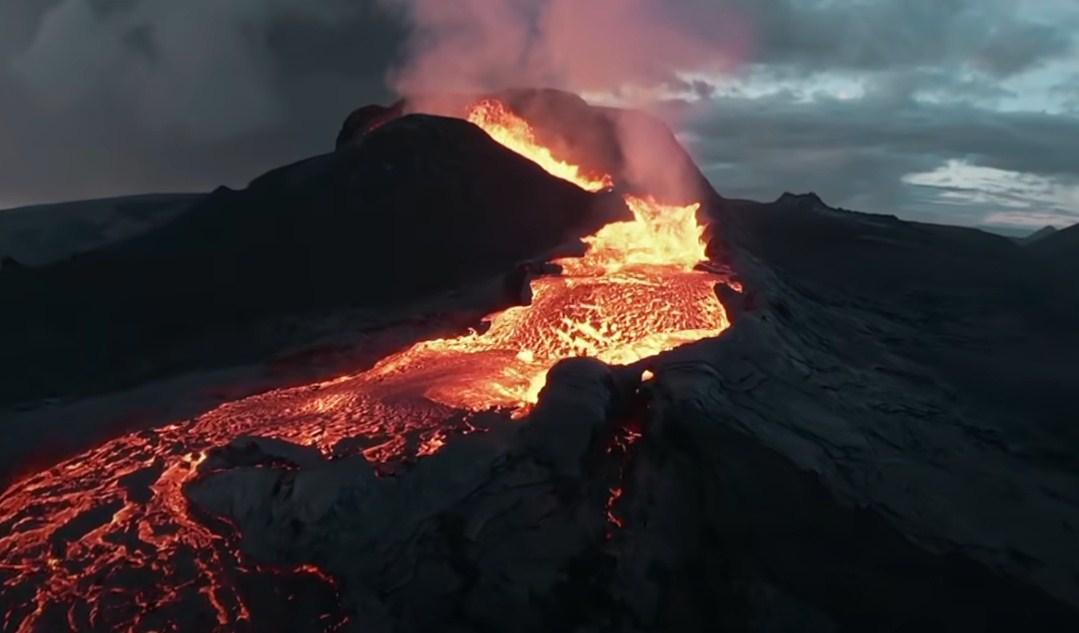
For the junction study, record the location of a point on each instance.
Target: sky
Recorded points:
(952, 111)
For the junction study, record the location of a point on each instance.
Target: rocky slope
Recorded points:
(46, 233)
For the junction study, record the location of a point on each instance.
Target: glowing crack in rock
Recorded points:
(107, 540)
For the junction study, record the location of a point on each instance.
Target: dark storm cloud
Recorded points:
(1018, 141)
(1067, 90)
(105, 8)
(101, 97)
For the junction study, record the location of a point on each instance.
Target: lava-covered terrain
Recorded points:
(677, 412)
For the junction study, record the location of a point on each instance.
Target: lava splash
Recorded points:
(106, 540)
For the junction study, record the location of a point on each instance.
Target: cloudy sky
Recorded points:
(957, 111)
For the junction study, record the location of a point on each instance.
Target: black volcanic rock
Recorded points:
(46, 233)
(262, 451)
(1059, 254)
(802, 202)
(1059, 244)
(421, 204)
(988, 317)
(366, 119)
(1037, 236)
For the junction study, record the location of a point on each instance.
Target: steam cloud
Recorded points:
(630, 52)
(628, 49)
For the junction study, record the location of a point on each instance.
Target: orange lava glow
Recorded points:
(633, 295)
(517, 134)
(107, 540)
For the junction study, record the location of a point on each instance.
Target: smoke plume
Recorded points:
(626, 49)
(622, 52)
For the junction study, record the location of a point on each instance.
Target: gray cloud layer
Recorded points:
(897, 35)
(101, 97)
(855, 152)
(928, 84)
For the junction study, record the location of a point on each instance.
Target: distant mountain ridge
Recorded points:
(41, 234)
(1040, 234)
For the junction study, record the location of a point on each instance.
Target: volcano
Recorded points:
(505, 373)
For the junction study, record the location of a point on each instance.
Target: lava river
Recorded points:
(106, 540)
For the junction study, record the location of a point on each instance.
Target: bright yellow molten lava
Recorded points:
(658, 235)
(634, 294)
(517, 134)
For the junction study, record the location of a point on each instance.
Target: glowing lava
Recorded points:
(106, 540)
(517, 134)
(633, 295)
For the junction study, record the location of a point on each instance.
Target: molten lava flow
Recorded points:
(634, 294)
(659, 236)
(517, 134)
(106, 540)
(140, 560)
